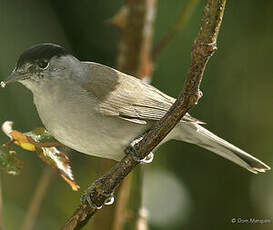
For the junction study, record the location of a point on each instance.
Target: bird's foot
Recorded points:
(146, 160)
(86, 197)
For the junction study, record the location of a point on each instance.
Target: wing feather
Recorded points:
(127, 97)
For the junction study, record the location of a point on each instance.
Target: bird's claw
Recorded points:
(146, 160)
(86, 197)
(109, 200)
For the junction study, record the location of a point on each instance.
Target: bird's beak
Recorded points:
(15, 76)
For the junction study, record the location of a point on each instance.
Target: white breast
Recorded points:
(73, 119)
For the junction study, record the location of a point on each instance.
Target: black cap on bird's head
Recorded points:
(39, 55)
(44, 51)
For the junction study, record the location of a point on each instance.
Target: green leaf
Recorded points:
(9, 163)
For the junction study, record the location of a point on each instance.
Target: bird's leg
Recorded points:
(131, 149)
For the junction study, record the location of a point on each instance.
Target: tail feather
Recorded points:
(197, 134)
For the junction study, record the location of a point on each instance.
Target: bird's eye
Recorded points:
(43, 64)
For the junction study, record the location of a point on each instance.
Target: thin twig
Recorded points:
(38, 197)
(136, 37)
(142, 223)
(177, 27)
(122, 198)
(203, 48)
(134, 200)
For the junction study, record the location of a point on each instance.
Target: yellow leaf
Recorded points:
(22, 140)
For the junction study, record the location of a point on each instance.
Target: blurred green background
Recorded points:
(206, 190)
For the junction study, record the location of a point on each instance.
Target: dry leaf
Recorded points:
(40, 141)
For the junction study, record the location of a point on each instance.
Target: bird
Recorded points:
(98, 110)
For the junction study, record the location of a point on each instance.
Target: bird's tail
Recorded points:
(198, 135)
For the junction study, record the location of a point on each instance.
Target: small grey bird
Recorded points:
(98, 110)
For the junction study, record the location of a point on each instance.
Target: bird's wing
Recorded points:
(127, 97)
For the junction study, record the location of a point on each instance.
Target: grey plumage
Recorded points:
(127, 97)
(141, 103)
(98, 110)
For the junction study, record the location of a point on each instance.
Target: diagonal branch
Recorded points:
(203, 48)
